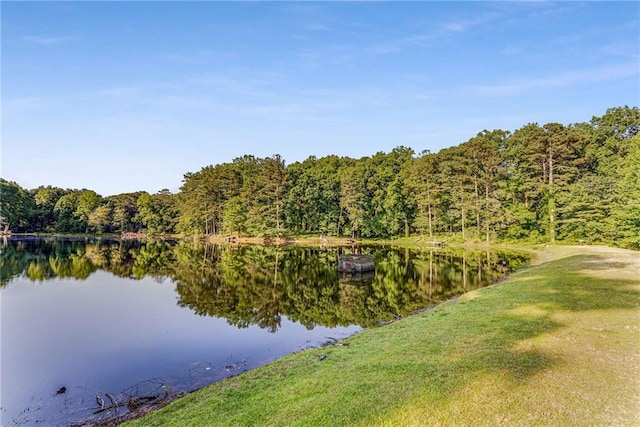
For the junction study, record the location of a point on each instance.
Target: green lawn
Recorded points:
(558, 343)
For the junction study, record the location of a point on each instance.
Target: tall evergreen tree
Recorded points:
(264, 195)
(423, 190)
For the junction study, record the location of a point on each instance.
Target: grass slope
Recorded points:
(558, 343)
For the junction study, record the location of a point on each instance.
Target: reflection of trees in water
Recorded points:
(239, 284)
(40, 260)
(257, 285)
(43, 259)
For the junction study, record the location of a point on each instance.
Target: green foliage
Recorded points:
(312, 196)
(353, 198)
(157, 213)
(101, 218)
(263, 193)
(234, 216)
(626, 210)
(124, 213)
(46, 199)
(87, 201)
(586, 214)
(203, 196)
(17, 206)
(548, 182)
(64, 210)
(423, 193)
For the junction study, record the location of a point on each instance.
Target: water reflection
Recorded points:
(98, 316)
(256, 285)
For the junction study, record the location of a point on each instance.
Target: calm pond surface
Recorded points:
(84, 318)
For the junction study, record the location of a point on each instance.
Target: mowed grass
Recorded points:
(558, 343)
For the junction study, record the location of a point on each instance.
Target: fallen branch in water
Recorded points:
(132, 402)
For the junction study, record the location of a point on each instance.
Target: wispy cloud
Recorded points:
(620, 50)
(197, 57)
(321, 58)
(122, 92)
(434, 32)
(462, 25)
(315, 26)
(157, 96)
(559, 80)
(311, 17)
(521, 11)
(46, 41)
(22, 104)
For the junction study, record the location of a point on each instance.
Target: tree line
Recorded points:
(577, 182)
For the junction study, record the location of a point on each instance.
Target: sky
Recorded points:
(126, 96)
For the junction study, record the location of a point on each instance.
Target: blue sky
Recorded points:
(126, 96)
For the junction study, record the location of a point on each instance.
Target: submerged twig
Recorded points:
(130, 403)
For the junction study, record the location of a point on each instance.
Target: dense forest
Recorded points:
(540, 183)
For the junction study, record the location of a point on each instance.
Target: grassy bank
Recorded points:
(558, 343)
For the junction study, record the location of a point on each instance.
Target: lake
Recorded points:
(90, 320)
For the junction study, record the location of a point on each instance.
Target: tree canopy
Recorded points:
(578, 182)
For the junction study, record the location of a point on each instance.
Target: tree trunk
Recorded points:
(486, 208)
(462, 218)
(430, 224)
(552, 203)
(477, 204)
(277, 215)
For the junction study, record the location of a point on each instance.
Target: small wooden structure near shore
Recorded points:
(355, 263)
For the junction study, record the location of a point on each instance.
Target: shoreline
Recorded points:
(525, 321)
(412, 242)
(144, 410)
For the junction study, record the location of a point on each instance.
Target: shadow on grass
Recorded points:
(595, 262)
(428, 357)
(483, 335)
(571, 287)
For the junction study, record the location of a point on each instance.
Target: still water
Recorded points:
(81, 319)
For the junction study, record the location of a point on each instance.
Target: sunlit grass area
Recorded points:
(558, 343)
